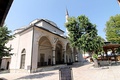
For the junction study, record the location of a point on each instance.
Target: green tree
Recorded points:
(113, 29)
(83, 34)
(4, 38)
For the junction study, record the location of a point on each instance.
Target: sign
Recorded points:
(65, 73)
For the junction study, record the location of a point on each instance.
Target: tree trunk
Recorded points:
(96, 63)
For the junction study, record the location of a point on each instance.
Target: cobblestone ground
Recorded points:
(85, 72)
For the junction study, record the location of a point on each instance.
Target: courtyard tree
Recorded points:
(113, 29)
(83, 34)
(4, 38)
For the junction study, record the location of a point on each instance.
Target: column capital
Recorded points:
(53, 50)
(53, 47)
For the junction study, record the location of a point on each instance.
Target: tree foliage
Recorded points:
(83, 34)
(113, 29)
(4, 38)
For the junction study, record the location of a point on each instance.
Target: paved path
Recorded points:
(86, 72)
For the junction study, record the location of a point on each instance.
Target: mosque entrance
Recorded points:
(42, 59)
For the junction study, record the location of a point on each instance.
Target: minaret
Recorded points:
(66, 17)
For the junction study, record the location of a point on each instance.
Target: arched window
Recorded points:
(23, 54)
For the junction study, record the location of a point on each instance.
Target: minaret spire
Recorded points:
(67, 12)
(67, 15)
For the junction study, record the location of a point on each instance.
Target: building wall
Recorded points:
(25, 42)
(14, 44)
(21, 41)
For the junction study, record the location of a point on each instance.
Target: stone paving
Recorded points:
(85, 72)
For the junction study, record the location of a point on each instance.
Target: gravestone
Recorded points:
(65, 73)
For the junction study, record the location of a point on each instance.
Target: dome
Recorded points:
(36, 20)
(51, 22)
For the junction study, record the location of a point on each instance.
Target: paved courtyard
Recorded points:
(84, 72)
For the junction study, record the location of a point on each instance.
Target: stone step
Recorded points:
(20, 71)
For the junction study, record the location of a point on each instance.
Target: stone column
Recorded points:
(64, 52)
(53, 56)
(68, 58)
(72, 58)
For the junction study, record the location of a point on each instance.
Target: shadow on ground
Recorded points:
(36, 76)
(116, 63)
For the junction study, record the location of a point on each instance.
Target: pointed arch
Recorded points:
(44, 50)
(44, 38)
(60, 43)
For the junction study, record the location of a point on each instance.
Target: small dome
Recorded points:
(20, 29)
(34, 21)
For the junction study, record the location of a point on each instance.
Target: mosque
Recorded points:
(40, 44)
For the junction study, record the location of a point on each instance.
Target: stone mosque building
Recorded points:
(40, 44)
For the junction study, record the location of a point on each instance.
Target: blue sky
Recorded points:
(22, 12)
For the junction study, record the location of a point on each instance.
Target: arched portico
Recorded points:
(44, 52)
